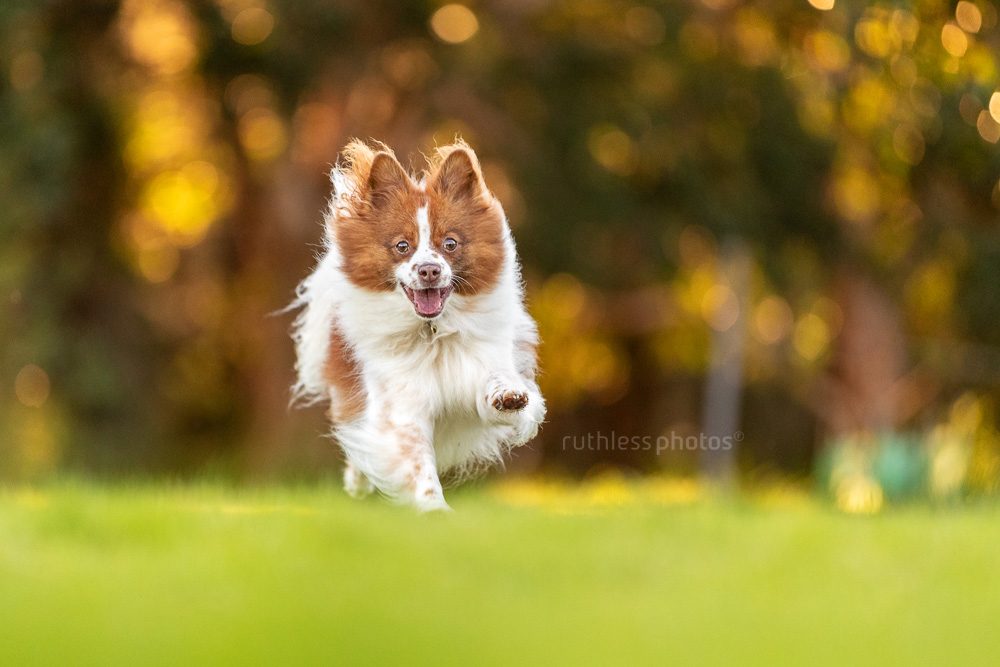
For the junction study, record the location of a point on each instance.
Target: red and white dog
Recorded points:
(414, 328)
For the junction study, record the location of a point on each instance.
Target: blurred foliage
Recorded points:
(162, 169)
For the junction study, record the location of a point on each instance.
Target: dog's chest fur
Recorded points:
(439, 363)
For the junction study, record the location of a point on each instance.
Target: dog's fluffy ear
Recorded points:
(386, 174)
(351, 172)
(456, 172)
(365, 174)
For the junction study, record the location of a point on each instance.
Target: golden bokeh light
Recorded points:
(859, 494)
(182, 203)
(170, 142)
(612, 149)
(160, 35)
(968, 16)
(454, 23)
(252, 26)
(140, 230)
(905, 27)
(950, 457)
(645, 25)
(262, 134)
(824, 5)
(812, 337)
(202, 175)
(817, 114)
(966, 414)
(988, 127)
(598, 491)
(995, 106)
(867, 104)
(828, 50)
(32, 386)
(953, 446)
(881, 34)
(157, 262)
(409, 66)
(755, 37)
(949, 469)
(954, 40)
(563, 298)
(164, 128)
(596, 366)
(772, 320)
(720, 307)
(579, 358)
(929, 293)
(874, 37)
(856, 195)
(690, 290)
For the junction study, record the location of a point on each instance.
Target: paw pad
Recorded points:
(510, 401)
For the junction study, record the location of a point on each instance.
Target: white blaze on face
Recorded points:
(425, 253)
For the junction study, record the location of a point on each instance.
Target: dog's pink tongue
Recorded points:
(428, 301)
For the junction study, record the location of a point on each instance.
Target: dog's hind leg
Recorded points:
(356, 483)
(412, 468)
(397, 457)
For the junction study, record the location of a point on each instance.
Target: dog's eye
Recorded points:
(402, 247)
(450, 244)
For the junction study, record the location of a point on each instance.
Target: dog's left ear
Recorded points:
(458, 176)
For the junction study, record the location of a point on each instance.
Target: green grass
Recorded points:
(208, 575)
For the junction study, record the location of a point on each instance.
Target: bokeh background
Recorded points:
(774, 220)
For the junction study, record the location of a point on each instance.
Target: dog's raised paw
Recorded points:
(510, 401)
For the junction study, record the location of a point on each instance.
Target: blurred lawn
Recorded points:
(209, 575)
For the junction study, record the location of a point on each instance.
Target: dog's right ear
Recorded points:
(385, 177)
(364, 175)
(458, 175)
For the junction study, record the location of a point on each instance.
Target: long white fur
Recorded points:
(439, 375)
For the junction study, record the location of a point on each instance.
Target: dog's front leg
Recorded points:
(507, 398)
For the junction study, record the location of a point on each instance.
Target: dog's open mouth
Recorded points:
(428, 302)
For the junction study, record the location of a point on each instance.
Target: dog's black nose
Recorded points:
(429, 273)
